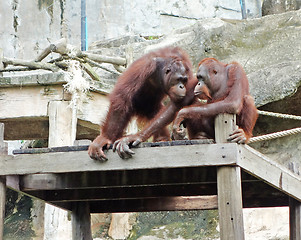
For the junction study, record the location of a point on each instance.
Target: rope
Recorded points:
(279, 115)
(275, 135)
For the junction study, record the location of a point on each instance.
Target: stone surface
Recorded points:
(51, 20)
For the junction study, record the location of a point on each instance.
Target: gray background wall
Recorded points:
(27, 27)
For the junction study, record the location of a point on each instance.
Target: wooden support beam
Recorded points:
(81, 221)
(149, 204)
(60, 124)
(2, 204)
(1, 61)
(61, 133)
(105, 59)
(144, 158)
(229, 186)
(273, 173)
(3, 151)
(295, 210)
(295, 219)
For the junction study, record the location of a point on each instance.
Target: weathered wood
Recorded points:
(2, 204)
(125, 192)
(13, 182)
(119, 68)
(31, 64)
(3, 145)
(295, 210)
(40, 78)
(96, 64)
(61, 133)
(60, 46)
(229, 186)
(295, 219)
(61, 127)
(144, 158)
(3, 152)
(1, 62)
(105, 59)
(230, 203)
(270, 171)
(152, 204)
(91, 72)
(85, 147)
(122, 178)
(30, 120)
(81, 221)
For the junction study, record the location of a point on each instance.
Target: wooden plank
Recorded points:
(3, 152)
(229, 186)
(36, 99)
(62, 132)
(270, 171)
(1, 62)
(144, 158)
(28, 128)
(81, 221)
(32, 78)
(255, 193)
(295, 219)
(230, 203)
(125, 192)
(85, 147)
(2, 204)
(149, 204)
(295, 209)
(141, 177)
(13, 182)
(61, 127)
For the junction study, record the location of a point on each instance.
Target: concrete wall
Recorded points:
(27, 27)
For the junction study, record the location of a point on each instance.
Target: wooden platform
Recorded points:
(26, 97)
(156, 178)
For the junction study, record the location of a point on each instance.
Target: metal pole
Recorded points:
(243, 9)
(83, 26)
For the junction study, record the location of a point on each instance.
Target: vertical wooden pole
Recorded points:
(3, 150)
(81, 222)
(295, 211)
(2, 204)
(62, 132)
(61, 124)
(295, 219)
(1, 61)
(229, 186)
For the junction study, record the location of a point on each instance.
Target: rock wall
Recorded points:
(27, 27)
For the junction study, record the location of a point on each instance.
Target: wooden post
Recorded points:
(229, 186)
(295, 211)
(1, 61)
(62, 127)
(2, 204)
(81, 222)
(3, 150)
(62, 132)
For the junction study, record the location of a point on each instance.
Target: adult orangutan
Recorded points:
(226, 89)
(139, 92)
